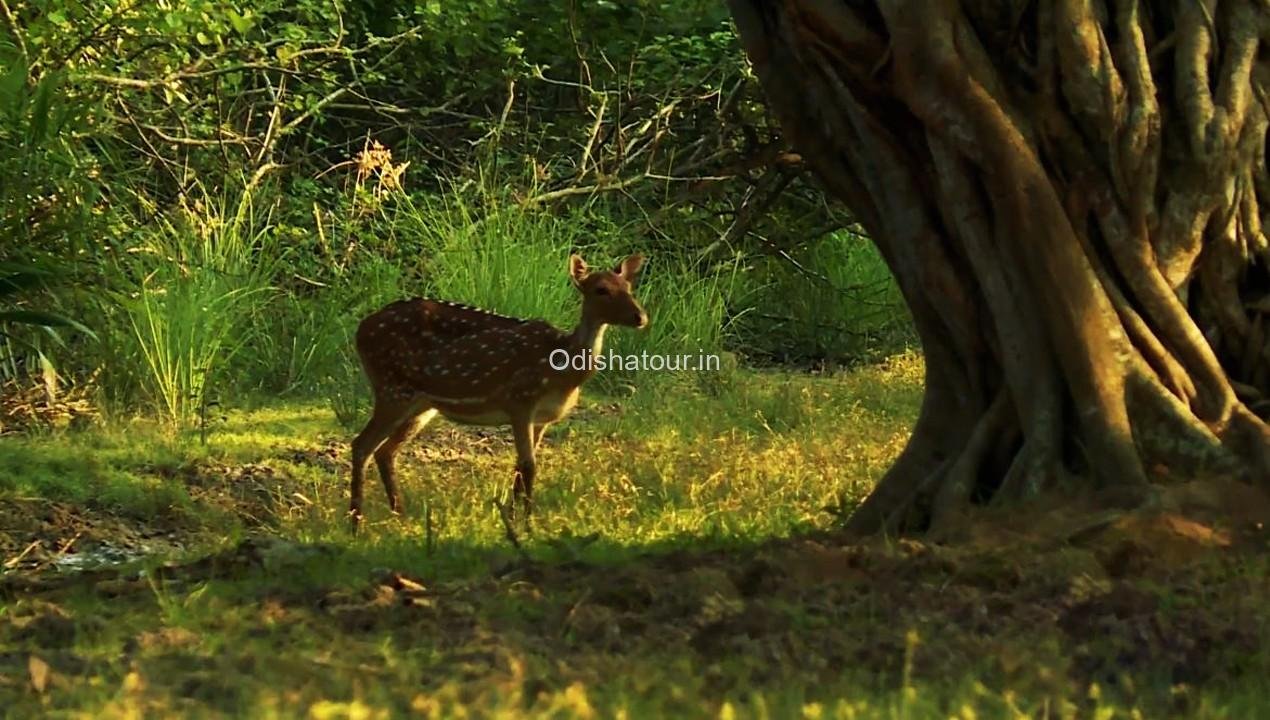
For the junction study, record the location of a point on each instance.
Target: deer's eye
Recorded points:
(601, 290)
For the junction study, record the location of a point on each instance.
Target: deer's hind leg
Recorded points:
(386, 454)
(388, 415)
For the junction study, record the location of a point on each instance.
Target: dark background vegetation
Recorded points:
(220, 192)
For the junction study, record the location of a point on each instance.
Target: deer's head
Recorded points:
(606, 294)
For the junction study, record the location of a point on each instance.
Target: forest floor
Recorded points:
(684, 563)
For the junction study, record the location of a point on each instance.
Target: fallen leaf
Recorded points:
(39, 671)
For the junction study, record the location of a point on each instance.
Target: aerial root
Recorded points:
(1171, 439)
(957, 486)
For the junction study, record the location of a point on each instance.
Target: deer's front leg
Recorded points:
(523, 486)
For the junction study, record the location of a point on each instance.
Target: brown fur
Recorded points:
(427, 357)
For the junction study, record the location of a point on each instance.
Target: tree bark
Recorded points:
(1069, 194)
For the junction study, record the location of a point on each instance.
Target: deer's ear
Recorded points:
(630, 267)
(577, 269)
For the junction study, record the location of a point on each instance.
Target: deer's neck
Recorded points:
(589, 335)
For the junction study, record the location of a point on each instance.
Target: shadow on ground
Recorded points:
(1149, 604)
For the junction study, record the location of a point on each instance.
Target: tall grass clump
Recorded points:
(834, 299)
(688, 309)
(187, 290)
(494, 254)
(304, 344)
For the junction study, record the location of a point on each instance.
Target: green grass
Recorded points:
(760, 455)
(231, 294)
(833, 299)
(661, 584)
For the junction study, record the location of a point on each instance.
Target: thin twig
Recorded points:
(583, 190)
(590, 143)
(12, 22)
(13, 562)
(220, 139)
(271, 138)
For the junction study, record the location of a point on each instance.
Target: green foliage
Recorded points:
(18, 277)
(833, 300)
(187, 291)
(46, 195)
(117, 116)
(45, 200)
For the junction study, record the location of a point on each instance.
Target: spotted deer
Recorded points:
(428, 357)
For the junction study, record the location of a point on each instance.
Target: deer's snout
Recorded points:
(633, 315)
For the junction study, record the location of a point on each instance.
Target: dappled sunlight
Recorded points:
(763, 459)
(683, 561)
(247, 434)
(794, 627)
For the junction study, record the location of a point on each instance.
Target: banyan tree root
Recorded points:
(1069, 194)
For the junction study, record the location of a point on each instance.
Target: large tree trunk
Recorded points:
(1069, 193)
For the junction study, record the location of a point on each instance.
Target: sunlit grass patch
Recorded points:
(657, 588)
(759, 454)
(94, 468)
